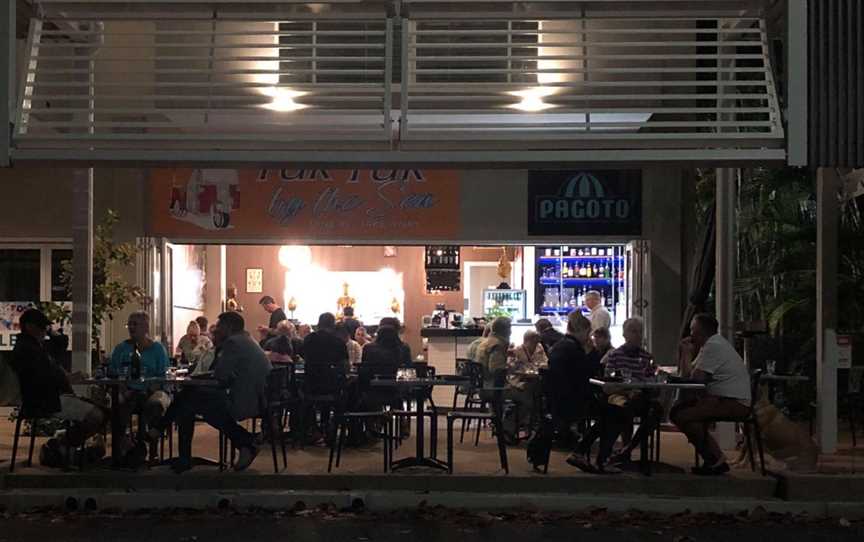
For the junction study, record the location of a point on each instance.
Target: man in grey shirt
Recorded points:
(241, 367)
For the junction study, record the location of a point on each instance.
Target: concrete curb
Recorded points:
(94, 499)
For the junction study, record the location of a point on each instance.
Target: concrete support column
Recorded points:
(727, 188)
(827, 239)
(82, 269)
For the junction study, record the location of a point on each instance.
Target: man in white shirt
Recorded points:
(727, 393)
(599, 316)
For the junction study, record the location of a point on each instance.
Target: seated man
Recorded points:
(619, 409)
(241, 367)
(45, 386)
(148, 401)
(727, 393)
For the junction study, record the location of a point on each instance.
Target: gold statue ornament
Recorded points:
(504, 266)
(395, 307)
(346, 300)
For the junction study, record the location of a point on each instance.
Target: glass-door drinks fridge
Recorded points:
(566, 273)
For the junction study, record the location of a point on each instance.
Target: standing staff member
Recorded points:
(276, 315)
(599, 316)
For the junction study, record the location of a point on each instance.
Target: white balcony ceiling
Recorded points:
(111, 79)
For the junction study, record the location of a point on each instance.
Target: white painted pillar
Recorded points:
(727, 188)
(82, 269)
(827, 237)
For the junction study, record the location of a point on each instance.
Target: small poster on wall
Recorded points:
(254, 281)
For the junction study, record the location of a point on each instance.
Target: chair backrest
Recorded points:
(474, 372)
(277, 385)
(423, 369)
(324, 378)
(755, 377)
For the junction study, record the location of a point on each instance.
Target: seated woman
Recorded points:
(280, 347)
(355, 351)
(525, 360)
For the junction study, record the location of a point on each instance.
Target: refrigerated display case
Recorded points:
(512, 301)
(564, 274)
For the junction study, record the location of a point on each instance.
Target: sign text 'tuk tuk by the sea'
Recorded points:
(305, 203)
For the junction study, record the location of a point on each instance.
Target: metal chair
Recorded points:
(271, 414)
(749, 425)
(22, 416)
(491, 414)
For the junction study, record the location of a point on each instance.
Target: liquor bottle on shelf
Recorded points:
(588, 271)
(607, 272)
(580, 252)
(593, 251)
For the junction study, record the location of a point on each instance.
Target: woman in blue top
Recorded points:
(146, 400)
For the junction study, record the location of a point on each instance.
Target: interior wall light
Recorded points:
(283, 100)
(532, 99)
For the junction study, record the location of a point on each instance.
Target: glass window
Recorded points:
(58, 291)
(19, 274)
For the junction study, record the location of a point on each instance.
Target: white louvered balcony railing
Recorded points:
(367, 76)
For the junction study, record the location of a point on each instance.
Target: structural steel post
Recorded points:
(82, 269)
(827, 242)
(7, 79)
(727, 189)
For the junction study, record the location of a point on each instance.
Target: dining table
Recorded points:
(654, 386)
(115, 385)
(420, 389)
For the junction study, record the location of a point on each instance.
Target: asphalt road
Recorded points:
(438, 525)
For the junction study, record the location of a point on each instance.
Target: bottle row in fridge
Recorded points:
(566, 299)
(575, 252)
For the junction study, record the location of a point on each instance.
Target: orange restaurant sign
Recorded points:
(305, 204)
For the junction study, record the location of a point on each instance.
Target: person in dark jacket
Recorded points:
(383, 358)
(571, 366)
(549, 336)
(321, 349)
(45, 387)
(42, 380)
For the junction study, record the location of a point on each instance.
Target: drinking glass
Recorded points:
(770, 366)
(400, 374)
(662, 377)
(608, 372)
